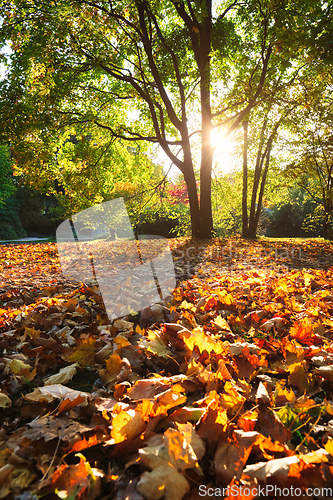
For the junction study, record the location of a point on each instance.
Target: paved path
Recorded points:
(30, 238)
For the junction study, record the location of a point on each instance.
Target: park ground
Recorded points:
(227, 384)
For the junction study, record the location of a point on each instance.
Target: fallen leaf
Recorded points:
(230, 457)
(58, 391)
(5, 401)
(64, 376)
(127, 424)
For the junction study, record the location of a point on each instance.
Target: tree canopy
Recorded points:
(183, 67)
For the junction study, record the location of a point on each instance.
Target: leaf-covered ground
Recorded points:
(228, 384)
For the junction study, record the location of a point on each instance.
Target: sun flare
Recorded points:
(223, 147)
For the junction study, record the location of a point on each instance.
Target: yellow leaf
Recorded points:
(85, 352)
(31, 332)
(222, 417)
(222, 323)
(223, 372)
(179, 450)
(121, 342)
(299, 377)
(283, 395)
(187, 305)
(225, 297)
(329, 446)
(16, 366)
(231, 397)
(126, 425)
(113, 364)
(139, 330)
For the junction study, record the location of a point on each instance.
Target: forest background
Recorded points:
(218, 122)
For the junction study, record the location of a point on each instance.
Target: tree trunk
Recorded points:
(255, 214)
(327, 226)
(193, 198)
(206, 218)
(244, 196)
(252, 229)
(261, 195)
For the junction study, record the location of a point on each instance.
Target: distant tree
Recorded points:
(311, 149)
(264, 128)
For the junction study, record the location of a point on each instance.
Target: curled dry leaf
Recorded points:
(58, 391)
(280, 468)
(65, 374)
(50, 427)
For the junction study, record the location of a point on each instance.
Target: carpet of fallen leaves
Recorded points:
(229, 383)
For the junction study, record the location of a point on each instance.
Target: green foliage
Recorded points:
(7, 232)
(286, 216)
(10, 223)
(81, 166)
(286, 221)
(227, 204)
(164, 219)
(311, 152)
(6, 179)
(224, 37)
(38, 213)
(157, 211)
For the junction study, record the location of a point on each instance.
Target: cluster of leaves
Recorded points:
(161, 209)
(229, 383)
(178, 193)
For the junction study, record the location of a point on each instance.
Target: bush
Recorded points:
(7, 232)
(160, 227)
(37, 212)
(10, 224)
(287, 220)
(163, 220)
